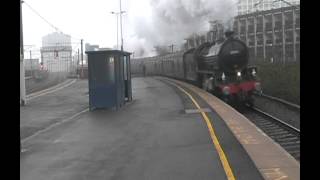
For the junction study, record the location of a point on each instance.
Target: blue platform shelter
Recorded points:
(109, 78)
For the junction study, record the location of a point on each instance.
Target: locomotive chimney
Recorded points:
(229, 34)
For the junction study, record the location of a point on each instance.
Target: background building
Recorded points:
(215, 33)
(56, 52)
(271, 35)
(250, 6)
(195, 40)
(90, 47)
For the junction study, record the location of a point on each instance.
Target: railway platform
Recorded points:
(170, 130)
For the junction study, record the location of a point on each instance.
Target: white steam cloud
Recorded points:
(171, 21)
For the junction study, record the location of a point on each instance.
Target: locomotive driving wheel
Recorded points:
(250, 101)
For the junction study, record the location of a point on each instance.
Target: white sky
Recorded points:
(90, 20)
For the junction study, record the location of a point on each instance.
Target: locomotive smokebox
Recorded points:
(233, 56)
(229, 56)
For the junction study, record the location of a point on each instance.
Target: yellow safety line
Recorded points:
(214, 138)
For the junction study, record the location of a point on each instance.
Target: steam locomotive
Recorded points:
(220, 68)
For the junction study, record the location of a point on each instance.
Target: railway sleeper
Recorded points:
(292, 148)
(265, 123)
(295, 153)
(279, 133)
(272, 133)
(268, 125)
(286, 139)
(274, 129)
(288, 135)
(261, 120)
(291, 143)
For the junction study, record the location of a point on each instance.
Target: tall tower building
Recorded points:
(56, 52)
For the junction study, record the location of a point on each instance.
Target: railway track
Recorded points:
(51, 89)
(290, 105)
(281, 132)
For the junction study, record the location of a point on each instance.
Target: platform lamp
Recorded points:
(119, 13)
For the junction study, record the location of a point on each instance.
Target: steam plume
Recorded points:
(172, 21)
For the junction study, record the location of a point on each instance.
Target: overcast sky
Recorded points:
(90, 20)
(146, 23)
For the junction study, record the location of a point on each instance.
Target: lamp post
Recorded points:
(171, 47)
(22, 75)
(30, 57)
(117, 28)
(121, 27)
(119, 13)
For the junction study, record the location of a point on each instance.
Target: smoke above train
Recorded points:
(171, 21)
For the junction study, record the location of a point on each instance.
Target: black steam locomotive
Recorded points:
(220, 68)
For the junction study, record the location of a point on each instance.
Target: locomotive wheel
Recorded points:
(217, 92)
(250, 101)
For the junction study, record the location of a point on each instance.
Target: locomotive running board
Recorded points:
(205, 72)
(192, 111)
